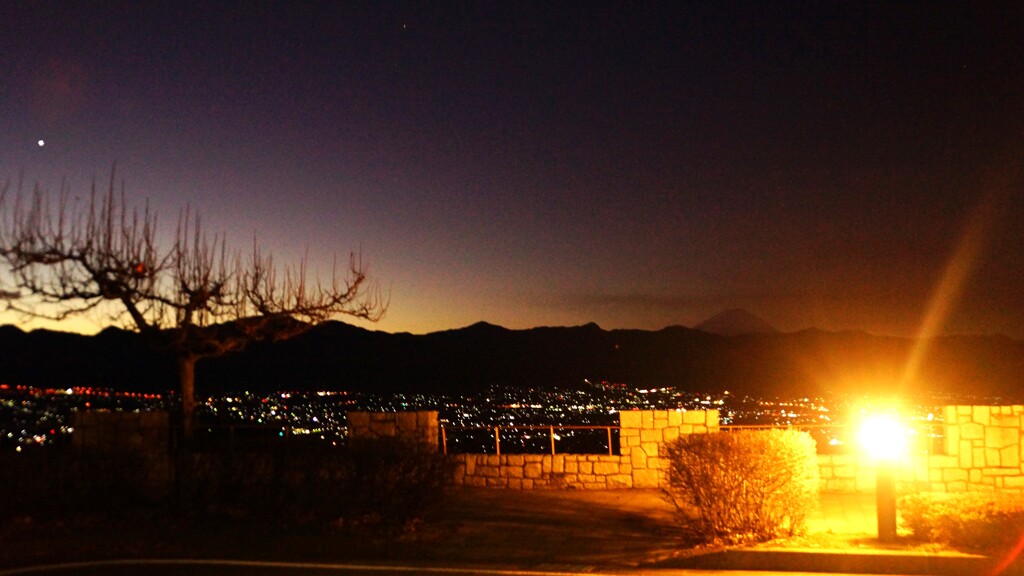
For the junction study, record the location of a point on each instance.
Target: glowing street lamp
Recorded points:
(885, 439)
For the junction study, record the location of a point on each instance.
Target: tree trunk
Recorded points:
(187, 384)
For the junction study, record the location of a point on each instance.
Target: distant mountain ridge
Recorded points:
(736, 321)
(339, 356)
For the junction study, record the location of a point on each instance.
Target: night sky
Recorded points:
(633, 164)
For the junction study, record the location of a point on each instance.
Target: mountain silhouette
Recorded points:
(735, 321)
(339, 356)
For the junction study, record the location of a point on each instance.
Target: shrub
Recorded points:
(391, 481)
(385, 482)
(56, 481)
(745, 486)
(969, 521)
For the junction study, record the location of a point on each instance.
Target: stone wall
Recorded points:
(142, 437)
(639, 464)
(985, 444)
(984, 451)
(412, 426)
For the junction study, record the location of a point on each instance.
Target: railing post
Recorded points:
(497, 440)
(444, 441)
(552, 431)
(610, 451)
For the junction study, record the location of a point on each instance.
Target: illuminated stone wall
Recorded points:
(983, 448)
(984, 451)
(419, 426)
(638, 465)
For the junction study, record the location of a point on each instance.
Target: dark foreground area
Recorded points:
(565, 530)
(616, 531)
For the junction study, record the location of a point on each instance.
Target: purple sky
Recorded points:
(635, 165)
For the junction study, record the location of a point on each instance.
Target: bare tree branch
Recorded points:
(68, 258)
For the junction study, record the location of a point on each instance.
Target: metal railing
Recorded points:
(552, 436)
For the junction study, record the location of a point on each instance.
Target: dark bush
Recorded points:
(975, 521)
(387, 483)
(748, 486)
(57, 481)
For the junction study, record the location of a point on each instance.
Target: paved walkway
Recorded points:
(842, 513)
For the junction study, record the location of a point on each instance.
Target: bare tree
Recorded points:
(196, 297)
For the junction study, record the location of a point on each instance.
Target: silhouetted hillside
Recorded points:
(335, 355)
(736, 321)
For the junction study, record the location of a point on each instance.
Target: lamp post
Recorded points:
(886, 441)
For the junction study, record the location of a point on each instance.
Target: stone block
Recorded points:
(497, 482)
(513, 471)
(629, 432)
(426, 418)
(619, 481)
(1000, 472)
(954, 475)
(651, 449)
(528, 484)
(939, 461)
(650, 435)
(825, 472)
(972, 430)
(1006, 420)
(630, 419)
(991, 457)
(949, 415)
(1009, 457)
(587, 478)
(547, 465)
(476, 481)
(675, 418)
(952, 440)
(980, 415)
(488, 471)
(535, 457)
(712, 418)
(594, 486)
(956, 487)
(966, 454)
(558, 464)
(963, 411)
(936, 475)
(606, 468)
(572, 466)
(515, 483)
(1001, 436)
(406, 421)
(383, 429)
(647, 419)
(645, 478)
(978, 457)
(974, 476)
(638, 459)
(670, 434)
(356, 420)
(660, 420)
(1013, 482)
(532, 470)
(685, 429)
(586, 467)
(694, 417)
(514, 460)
